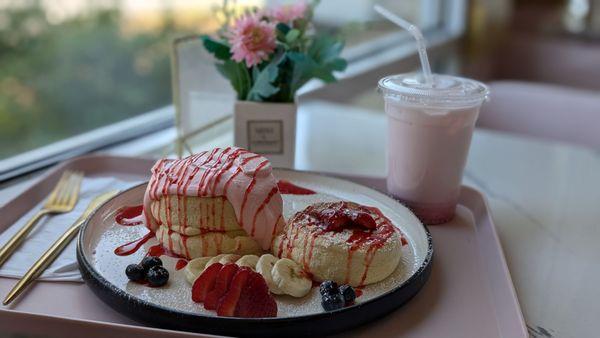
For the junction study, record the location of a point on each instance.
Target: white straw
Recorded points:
(416, 33)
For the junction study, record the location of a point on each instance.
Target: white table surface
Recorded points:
(545, 200)
(544, 196)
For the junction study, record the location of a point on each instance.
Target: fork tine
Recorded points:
(75, 191)
(69, 189)
(63, 191)
(58, 188)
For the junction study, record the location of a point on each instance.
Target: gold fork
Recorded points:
(52, 253)
(62, 199)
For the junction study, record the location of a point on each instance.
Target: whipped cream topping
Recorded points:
(244, 178)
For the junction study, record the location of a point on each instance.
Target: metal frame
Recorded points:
(181, 141)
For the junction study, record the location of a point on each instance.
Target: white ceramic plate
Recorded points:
(105, 272)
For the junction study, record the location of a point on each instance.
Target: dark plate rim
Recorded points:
(87, 267)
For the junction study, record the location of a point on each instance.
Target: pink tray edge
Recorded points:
(14, 319)
(470, 197)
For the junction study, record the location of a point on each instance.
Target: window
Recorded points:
(69, 68)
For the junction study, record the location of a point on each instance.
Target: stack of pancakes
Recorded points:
(220, 201)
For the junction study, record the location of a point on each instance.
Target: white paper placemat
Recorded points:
(49, 229)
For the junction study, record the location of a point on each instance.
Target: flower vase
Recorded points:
(268, 129)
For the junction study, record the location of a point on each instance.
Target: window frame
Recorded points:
(365, 59)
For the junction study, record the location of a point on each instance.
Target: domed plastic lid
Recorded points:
(447, 90)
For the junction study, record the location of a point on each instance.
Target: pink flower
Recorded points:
(289, 13)
(252, 40)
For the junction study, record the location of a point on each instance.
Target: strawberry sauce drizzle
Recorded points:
(222, 223)
(289, 188)
(261, 207)
(371, 234)
(217, 164)
(129, 216)
(216, 174)
(133, 246)
(159, 250)
(249, 189)
(184, 239)
(124, 217)
(206, 172)
(217, 177)
(182, 263)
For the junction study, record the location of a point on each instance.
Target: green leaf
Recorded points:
(238, 75)
(216, 48)
(325, 49)
(283, 28)
(292, 36)
(304, 68)
(263, 86)
(338, 64)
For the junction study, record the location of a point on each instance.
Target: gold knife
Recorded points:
(50, 255)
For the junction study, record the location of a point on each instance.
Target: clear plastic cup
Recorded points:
(429, 134)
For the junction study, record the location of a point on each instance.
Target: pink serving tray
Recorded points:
(469, 293)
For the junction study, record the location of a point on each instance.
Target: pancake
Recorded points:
(221, 201)
(201, 214)
(349, 253)
(207, 244)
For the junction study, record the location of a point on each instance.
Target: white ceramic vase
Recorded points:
(268, 129)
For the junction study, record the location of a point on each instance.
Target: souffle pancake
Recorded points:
(224, 200)
(341, 241)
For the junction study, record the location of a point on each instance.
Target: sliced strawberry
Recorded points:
(224, 278)
(205, 282)
(362, 218)
(337, 216)
(228, 302)
(255, 300)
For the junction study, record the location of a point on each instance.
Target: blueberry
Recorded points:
(157, 276)
(328, 287)
(135, 272)
(149, 262)
(348, 293)
(332, 301)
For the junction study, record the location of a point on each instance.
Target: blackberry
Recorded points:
(135, 272)
(348, 293)
(149, 262)
(157, 276)
(332, 301)
(328, 287)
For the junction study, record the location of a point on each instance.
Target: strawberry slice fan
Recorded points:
(234, 291)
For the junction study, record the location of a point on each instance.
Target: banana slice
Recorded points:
(264, 266)
(290, 278)
(215, 259)
(194, 268)
(230, 258)
(249, 261)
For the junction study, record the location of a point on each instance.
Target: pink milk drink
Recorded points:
(430, 124)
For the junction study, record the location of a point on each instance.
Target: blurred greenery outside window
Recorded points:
(71, 66)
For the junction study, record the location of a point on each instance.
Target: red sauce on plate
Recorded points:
(182, 263)
(289, 188)
(129, 216)
(133, 246)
